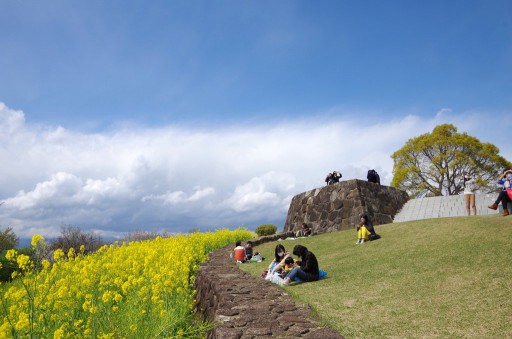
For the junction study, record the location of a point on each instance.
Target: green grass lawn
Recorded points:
(436, 278)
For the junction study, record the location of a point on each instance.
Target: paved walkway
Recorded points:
(440, 207)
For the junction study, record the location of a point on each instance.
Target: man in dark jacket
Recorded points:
(308, 269)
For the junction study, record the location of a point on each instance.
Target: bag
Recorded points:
(257, 258)
(374, 236)
(509, 193)
(274, 278)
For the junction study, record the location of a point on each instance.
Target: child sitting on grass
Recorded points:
(288, 266)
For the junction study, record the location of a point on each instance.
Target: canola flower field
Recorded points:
(128, 290)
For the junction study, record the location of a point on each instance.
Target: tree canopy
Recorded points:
(433, 163)
(8, 239)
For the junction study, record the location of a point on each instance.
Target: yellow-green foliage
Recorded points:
(266, 229)
(136, 290)
(433, 163)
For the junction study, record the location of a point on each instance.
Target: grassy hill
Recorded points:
(444, 278)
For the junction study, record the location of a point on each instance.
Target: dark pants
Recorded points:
(503, 197)
(297, 272)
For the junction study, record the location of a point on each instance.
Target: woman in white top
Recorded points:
(469, 192)
(279, 260)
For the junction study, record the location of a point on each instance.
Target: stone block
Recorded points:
(336, 207)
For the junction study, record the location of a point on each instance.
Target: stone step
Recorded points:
(446, 206)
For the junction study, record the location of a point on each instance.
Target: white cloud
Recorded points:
(177, 197)
(61, 189)
(174, 178)
(10, 120)
(258, 192)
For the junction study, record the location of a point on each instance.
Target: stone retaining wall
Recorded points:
(337, 207)
(245, 306)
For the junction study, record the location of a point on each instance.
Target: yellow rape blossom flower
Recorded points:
(11, 255)
(107, 297)
(71, 253)
(59, 333)
(23, 262)
(118, 297)
(58, 254)
(46, 264)
(153, 277)
(23, 323)
(36, 239)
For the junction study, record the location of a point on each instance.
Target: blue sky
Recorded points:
(122, 115)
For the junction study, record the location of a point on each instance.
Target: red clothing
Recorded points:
(239, 253)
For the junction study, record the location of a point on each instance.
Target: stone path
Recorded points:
(245, 306)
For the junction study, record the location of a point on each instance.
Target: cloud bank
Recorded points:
(174, 178)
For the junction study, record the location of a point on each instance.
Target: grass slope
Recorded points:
(436, 278)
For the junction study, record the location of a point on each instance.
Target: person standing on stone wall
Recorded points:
(336, 176)
(333, 177)
(469, 184)
(328, 179)
(373, 176)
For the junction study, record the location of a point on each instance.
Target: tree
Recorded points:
(433, 163)
(74, 237)
(8, 239)
(141, 235)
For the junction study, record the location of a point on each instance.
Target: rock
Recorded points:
(336, 207)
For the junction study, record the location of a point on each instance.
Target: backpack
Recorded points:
(374, 236)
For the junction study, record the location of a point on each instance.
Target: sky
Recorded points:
(168, 116)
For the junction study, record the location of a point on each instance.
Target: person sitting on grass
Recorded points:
(277, 263)
(307, 270)
(239, 252)
(288, 266)
(505, 180)
(306, 230)
(363, 234)
(366, 221)
(248, 250)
